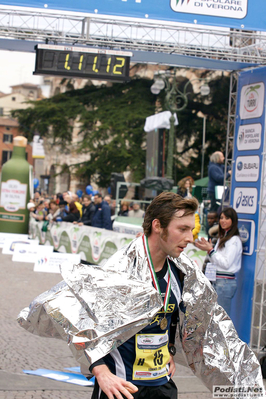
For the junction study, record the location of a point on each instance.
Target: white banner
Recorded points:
(30, 253)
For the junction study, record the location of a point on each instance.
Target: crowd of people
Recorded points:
(223, 244)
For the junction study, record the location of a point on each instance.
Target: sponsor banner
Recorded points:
(92, 244)
(37, 147)
(246, 189)
(238, 14)
(249, 137)
(30, 253)
(127, 228)
(11, 236)
(214, 8)
(10, 244)
(247, 234)
(252, 101)
(50, 263)
(13, 195)
(245, 200)
(247, 168)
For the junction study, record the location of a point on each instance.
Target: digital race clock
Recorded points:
(82, 62)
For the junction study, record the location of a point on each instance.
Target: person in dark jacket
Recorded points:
(216, 177)
(73, 213)
(102, 215)
(88, 210)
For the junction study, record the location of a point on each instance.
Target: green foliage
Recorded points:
(190, 128)
(111, 120)
(111, 126)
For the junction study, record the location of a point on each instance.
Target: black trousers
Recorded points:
(166, 391)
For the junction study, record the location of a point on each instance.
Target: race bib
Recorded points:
(210, 272)
(152, 356)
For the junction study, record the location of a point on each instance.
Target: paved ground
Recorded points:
(21, 350)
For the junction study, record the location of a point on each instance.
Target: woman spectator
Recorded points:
(185, 187)
(225, 258)
(123, 208)
(88, 210)
(73, 214)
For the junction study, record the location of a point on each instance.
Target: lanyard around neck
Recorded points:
(153, 274)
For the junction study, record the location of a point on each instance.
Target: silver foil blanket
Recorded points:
(96, 309)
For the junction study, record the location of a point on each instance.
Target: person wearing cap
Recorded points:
(136, 212)
(31, 207)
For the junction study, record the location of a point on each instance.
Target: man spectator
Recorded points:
(216, 176)
(111, 203)
(212, 226)
(102, 215)
(136, 212)
(88, 210)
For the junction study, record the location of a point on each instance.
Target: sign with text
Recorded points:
(249, 137)
(9, 245)
(11, 236)
(252, 101)
(49, 263)
(246, 187)
(238, 14)
(30, 253)
(247, 168)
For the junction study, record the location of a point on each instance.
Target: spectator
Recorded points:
(225, 258)
(88, 210)
(54, 211)
(102, 215)
(212, 221)
(46, 205)
(123, 208)
(31, 207)
(136, 212)
(197, 228)
(37, 197)
(73, 213)
(185, 187)
(111, 203)
(216, 176)
(75, 198)
(62, 210)
(40, 212)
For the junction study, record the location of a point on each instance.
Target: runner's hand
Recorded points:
(112, 385)
(172, 368)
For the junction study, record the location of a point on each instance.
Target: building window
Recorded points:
(6, 155)
(13, 98)
(8, 138)
(1, 111)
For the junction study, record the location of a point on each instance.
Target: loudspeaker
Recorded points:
(115, 178)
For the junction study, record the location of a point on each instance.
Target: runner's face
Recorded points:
(174, 239)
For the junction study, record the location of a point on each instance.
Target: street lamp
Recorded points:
(175, 101)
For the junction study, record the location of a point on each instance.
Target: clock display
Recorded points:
(82, 62)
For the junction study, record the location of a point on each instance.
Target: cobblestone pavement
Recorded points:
(20, 350)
